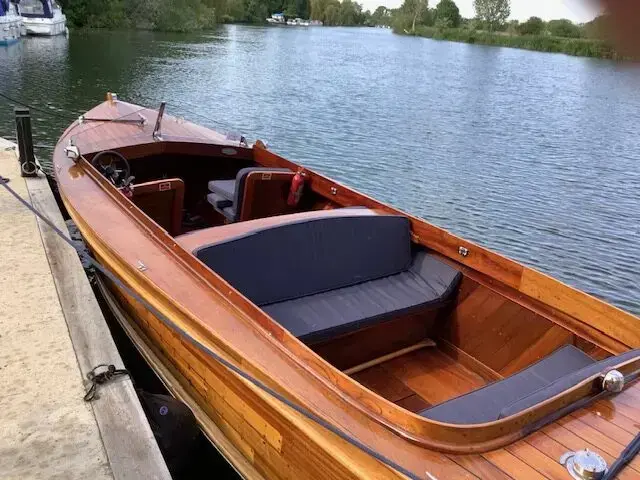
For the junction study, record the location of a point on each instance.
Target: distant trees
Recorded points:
(564, 28)
(381, 16)
(414, 11)
(493, 12)
(533, 26)
(334, 12)
(447, 14)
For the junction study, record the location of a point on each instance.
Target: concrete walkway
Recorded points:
(51, 334)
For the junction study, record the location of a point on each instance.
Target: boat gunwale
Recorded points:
(285, 340)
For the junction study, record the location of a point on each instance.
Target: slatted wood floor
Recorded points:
(427, 377)
(420, 379)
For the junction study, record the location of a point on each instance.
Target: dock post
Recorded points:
(28, 167)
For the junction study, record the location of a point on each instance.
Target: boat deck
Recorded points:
(51, 330)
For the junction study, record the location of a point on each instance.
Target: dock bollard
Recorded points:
(28, 167)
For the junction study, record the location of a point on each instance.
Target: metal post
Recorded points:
(28, 166)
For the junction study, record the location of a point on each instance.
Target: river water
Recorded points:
(534, 155)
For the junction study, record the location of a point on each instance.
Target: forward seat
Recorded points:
(227, 196)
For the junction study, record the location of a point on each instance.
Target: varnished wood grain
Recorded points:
(433, 375)
(199, 302)
(265, 195)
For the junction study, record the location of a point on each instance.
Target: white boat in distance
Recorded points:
(43, 17)
(10, 23)
(280, 19)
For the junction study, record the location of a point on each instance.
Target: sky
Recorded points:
(575, 10)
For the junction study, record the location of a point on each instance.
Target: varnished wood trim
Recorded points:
(469, 361)
(390, 356)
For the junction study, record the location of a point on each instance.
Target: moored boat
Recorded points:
(10, 23)
(43, 17)
(424, 354)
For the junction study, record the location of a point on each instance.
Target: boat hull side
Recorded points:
(277, 441)
(272, 442)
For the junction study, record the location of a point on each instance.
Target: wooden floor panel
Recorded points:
(420, 379)
(433, 375)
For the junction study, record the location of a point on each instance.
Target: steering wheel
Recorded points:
(113, 166)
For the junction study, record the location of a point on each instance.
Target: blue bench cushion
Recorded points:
(552, 375)
(428, 283)
(219, 201)
(223, 188)
(311, 256)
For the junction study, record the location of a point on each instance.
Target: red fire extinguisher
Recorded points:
(297, 186)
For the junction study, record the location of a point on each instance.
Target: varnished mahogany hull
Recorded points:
(277, 441)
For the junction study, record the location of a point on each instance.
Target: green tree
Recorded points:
(381, 16)
(447, 14)
(533, 26)
(332, 14)
(415, 10)
(563, 28)
(493, 12)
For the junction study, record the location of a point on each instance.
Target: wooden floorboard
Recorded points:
(433, 375)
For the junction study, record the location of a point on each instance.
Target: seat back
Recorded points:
(162, 201)
(265, 194)
(248, 177)
(303, 258)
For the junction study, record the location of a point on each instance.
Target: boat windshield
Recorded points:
(38, 8)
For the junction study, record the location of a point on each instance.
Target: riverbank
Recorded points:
(579, 47)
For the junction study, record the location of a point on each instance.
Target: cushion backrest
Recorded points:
(311, 256)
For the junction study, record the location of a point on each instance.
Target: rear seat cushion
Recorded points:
(566, 382)
(315, 318)
(313, 256)
(552, 375)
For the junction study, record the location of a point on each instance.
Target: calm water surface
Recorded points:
(534, 155)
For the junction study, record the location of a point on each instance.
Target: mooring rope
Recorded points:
(37, 109)
(235, 369)
(101, 378)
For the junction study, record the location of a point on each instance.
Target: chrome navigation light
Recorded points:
(613, 381)
(584, 465)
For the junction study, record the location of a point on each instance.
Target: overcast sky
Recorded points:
(575, 10)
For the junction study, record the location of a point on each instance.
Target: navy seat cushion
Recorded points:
(566, 382)
(224, 188)
(552, 375)
(311, 256)
(427, 283)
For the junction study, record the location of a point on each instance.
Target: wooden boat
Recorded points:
(447, 359)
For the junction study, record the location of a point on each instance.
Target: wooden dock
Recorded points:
(52, 333)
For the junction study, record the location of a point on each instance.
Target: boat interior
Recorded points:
(422, 331)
